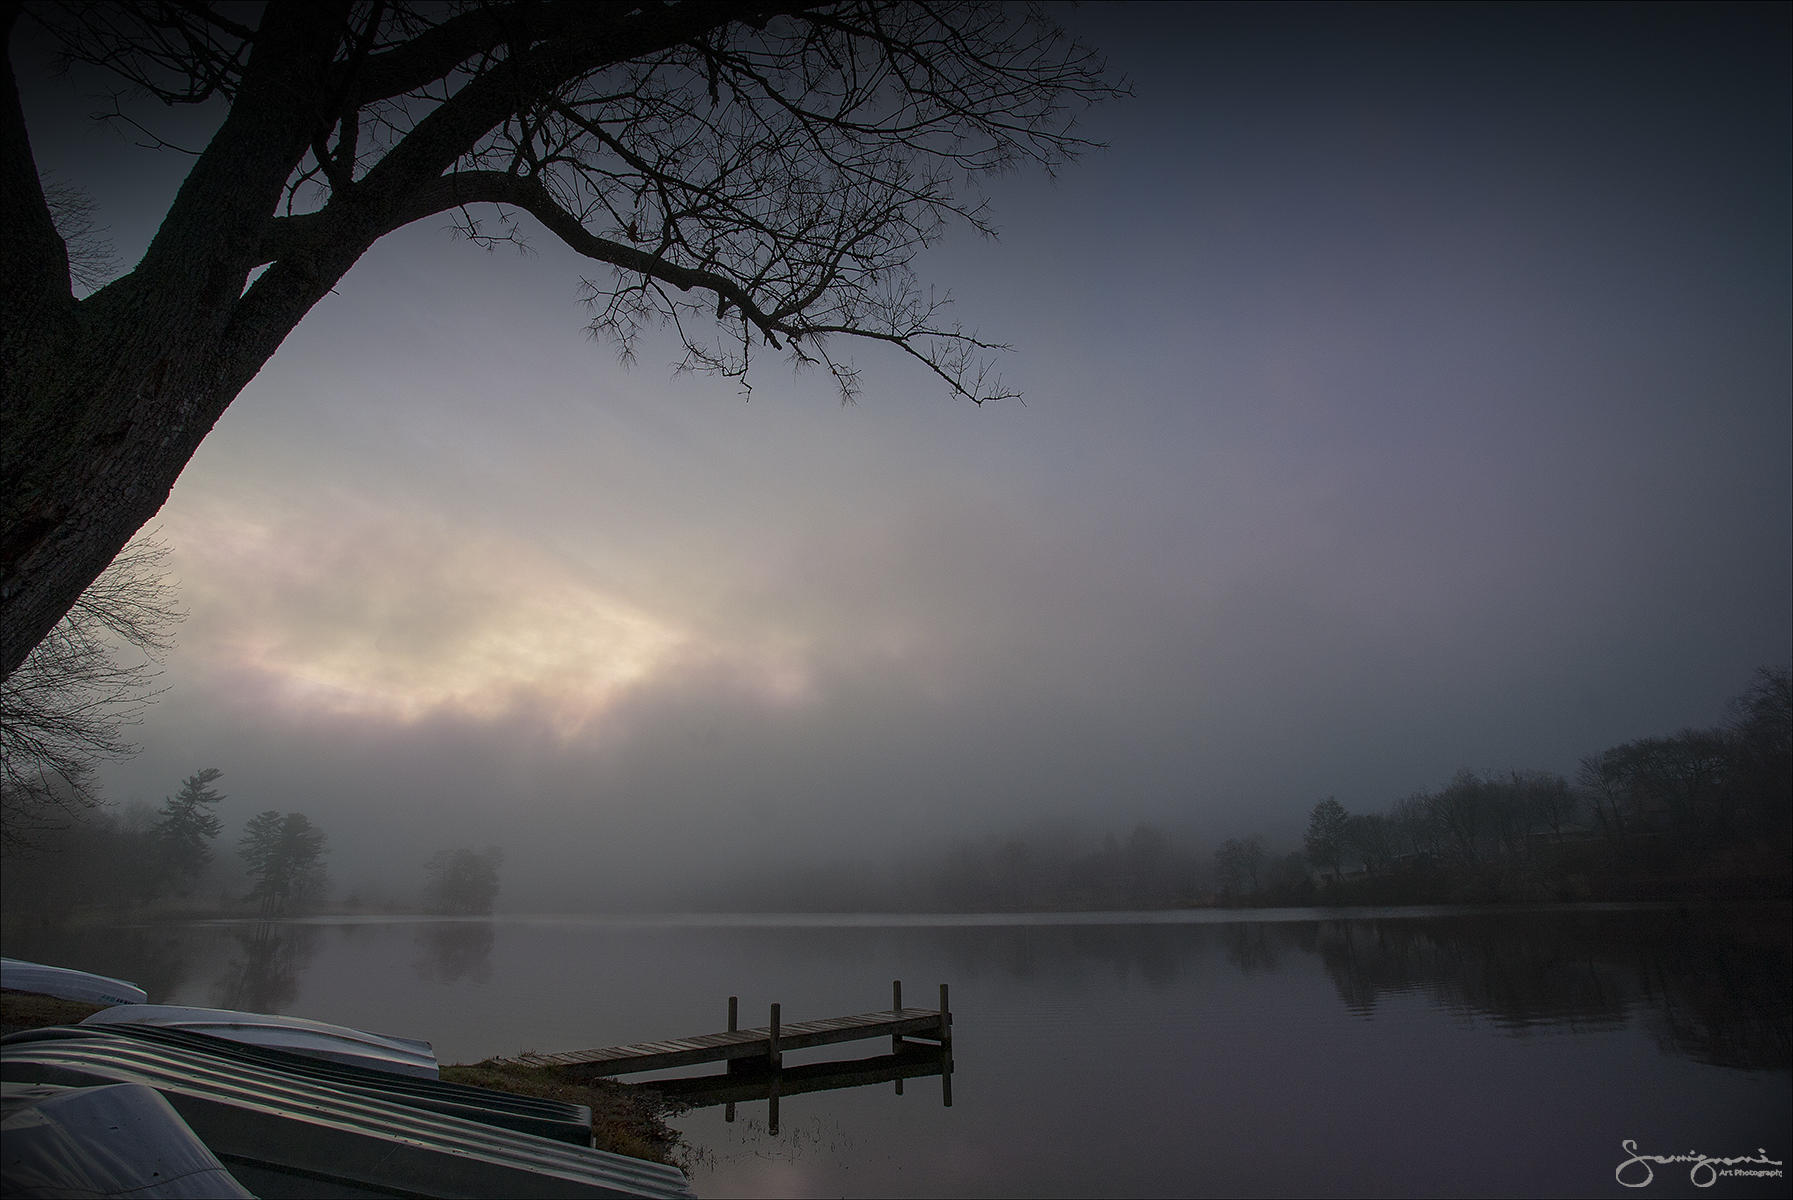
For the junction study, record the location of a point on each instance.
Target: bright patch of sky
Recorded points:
(1406, 390)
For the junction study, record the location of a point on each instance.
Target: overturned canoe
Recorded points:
(113, 1140)
(295, 1035)
(564, 1122)
(284, 1134)
(67, 983)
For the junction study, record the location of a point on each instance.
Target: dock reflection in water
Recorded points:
(749, 1082)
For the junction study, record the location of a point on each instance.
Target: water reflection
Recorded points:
(160, 960)
(1714, 991)
(452, 951)
(267, 961)
(746, 1082)
(1253, 947)
(1721, 999)
(1539, 972)
(1154, 954)
(1710, 985)
(1374, 1052)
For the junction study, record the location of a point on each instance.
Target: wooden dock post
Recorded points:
(946, 1051)
(728, 1111)
(734, 1065)
(776, 1059)
(896, 1039)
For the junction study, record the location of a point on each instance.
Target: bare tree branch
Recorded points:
(68, 705)
(755, 175)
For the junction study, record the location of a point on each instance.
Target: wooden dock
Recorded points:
(764, 1046)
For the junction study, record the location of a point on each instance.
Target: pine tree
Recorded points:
(186, 826)
(285, 857)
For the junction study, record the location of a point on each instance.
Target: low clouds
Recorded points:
(1347, 462)
(393, 616)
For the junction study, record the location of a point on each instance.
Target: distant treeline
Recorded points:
(143, 859)
(1704, 813)
(1024, 872)
(162, 861)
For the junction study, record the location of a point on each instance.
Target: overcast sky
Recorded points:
(1406, 390)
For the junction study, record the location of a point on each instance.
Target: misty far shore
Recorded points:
(1042, 879)
(1146, 870)
(1699, 815)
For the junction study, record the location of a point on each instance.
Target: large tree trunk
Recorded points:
(102, 416)
(103, 401)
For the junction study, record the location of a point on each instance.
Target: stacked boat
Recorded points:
(159, 1100)
(17, 975)
(294, 1035)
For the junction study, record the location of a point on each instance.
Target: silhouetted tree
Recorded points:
(1251, 857)
(462, 882)
(186, 826)
(1324, 841)
(1288, 880)
(1552, 803)
(67, 706)
(1461, 809)
(1416, 826)
(1761, 735)
(1237, 864)
(107, 861)
(1602, 784)
(758, 176)
(1674, 784)
(284, 854)
(1371, 836)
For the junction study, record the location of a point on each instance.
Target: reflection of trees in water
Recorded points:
(1520, 969)
(450, 951)
(1721, 996)
(264, 971)
(1712, 986)
(1253, 947)
(1712, 989)
(159, 963)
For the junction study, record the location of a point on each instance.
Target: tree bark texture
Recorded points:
(107, 399)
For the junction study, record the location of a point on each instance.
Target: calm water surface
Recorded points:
(1388, 1052)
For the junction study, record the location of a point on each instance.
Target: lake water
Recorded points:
(1387, 1052)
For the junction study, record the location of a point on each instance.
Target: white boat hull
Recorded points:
(66, 983)
(295, 1035)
